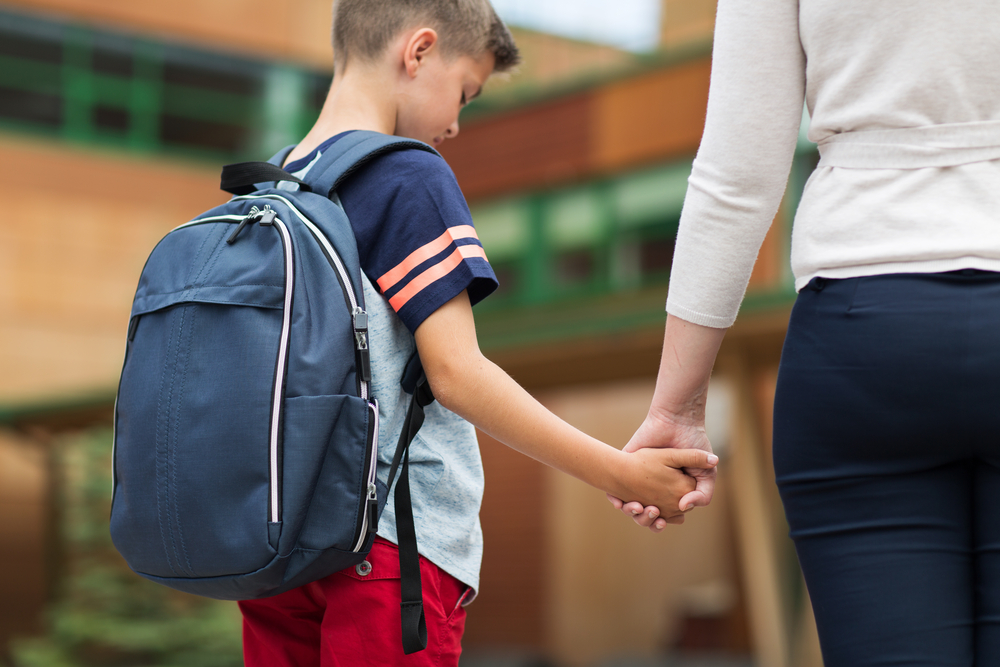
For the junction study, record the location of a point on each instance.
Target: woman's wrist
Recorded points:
(689, 352)
(679, 407)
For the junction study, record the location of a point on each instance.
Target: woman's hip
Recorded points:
(889, 373)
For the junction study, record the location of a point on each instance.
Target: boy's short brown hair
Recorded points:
(362, 29)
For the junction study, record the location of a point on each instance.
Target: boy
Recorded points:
(407, 67)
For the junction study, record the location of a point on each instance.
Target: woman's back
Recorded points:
(904, 100)
(887, 64)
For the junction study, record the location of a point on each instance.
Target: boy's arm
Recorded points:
(470, 385)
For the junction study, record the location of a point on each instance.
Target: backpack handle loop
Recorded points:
(241, 178)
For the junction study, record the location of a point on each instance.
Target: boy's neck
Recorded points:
(359, 99)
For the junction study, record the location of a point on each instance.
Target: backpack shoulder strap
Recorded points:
(349, 153)
(337, 163)
(278, 159)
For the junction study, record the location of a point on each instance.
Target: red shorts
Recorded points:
(349, 620)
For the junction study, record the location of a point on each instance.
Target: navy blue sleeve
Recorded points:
(416, 240)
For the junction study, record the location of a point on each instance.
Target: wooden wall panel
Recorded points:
(529, 148)
(651, 117)
(647, 118)
(548, 59)
(686, 21)
(617, 594)
(509, 611)
(285, 29)
(76, 231)
(22, 538)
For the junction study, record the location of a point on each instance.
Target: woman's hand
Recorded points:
(661, 430)
(657, 475)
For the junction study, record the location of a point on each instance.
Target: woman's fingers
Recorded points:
(703, 490)
(646, 516)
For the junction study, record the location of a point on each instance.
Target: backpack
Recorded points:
(245, 437)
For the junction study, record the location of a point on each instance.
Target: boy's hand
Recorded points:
(654, 476)
(660, 431)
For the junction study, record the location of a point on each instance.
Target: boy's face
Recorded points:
(430, 103)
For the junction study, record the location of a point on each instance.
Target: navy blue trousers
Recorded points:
(887, 457)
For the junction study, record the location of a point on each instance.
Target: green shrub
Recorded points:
(104, 614)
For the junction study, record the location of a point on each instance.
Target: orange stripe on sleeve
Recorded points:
(439, 270)
(471, 250)
(423, 253)
(436, 272)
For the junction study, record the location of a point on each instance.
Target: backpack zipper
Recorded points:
(359, 316)
(369, 518)
(280, 374)
(364, 373)
(271, 218)
(359, 319)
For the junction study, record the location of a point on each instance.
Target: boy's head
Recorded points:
(439, 54)
(363, 29)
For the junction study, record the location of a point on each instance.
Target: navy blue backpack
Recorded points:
(245, 435)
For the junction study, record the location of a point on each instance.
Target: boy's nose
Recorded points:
(452, 130)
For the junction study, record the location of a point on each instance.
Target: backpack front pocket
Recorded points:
(199, 432)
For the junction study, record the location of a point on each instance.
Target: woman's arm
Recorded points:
(739, 175)
(737, 181)
(470, 385)
(676, 415)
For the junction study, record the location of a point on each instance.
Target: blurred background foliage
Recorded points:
(103, 614)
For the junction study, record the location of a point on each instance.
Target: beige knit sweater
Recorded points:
(904, 100)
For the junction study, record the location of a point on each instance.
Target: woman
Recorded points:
(887, 413)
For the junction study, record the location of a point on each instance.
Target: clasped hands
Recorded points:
(689, 481)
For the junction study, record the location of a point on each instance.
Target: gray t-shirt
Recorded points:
(446, 470)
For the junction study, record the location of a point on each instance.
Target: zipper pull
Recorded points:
(268, 215)
(361, 344)
(253, 215)
(371, 506)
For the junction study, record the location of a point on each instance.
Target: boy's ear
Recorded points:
(420, 44)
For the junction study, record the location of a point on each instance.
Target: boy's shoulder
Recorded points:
(415, 236)
(405, 188)
(390, 168)
(404, 170)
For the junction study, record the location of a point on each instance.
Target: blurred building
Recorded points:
(114, 119)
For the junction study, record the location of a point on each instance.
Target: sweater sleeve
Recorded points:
(739, 175)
